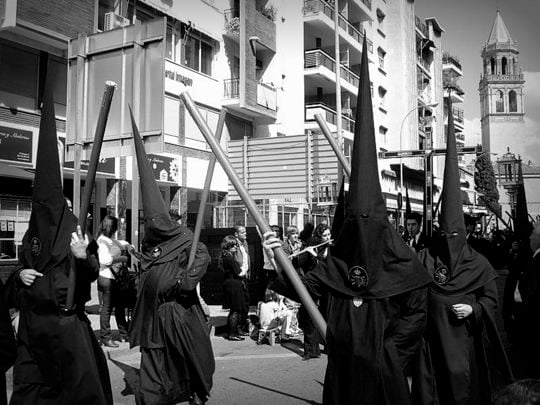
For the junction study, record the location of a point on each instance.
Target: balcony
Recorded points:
(452, 61)
(317, 60)
(458, 115)
(503, 78)
(421, 27)
(329, 114)
(319, 8)
(232, 23)
(231, 89)
(267, 96)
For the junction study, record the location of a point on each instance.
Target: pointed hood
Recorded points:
(457, 268)
(159, 228)
(339, 214)
(377, 262)
(522, 225)
(46, 242)
(408, 209)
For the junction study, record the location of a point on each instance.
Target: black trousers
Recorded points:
(311, 333)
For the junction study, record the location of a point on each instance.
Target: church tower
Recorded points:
(501, 91)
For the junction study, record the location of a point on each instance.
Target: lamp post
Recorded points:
(431, 105)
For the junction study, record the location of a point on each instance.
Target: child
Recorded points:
(269, 311)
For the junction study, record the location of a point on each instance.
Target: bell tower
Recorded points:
(501, 90)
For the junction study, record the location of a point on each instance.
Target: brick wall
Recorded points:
(66, 17)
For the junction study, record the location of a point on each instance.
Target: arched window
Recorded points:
(492, 65)
(499, 103)
(504, 66)
(512, 101)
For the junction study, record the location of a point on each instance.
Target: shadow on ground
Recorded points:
(307, 401)
(131, 378)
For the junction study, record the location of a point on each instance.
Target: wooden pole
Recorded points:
(90, 179)
(279, 254)
(337, 150)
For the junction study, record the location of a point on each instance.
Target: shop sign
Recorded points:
(165, 168)
(105, 165)
(15, 144)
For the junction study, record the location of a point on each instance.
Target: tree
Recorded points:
(486, 184)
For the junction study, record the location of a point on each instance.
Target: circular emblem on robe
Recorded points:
(35, 246)
(358, 277)
(156, 252)
(441, 275)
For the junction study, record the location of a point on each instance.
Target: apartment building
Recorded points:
(270, 65)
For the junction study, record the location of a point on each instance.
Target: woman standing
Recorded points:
(233, 287)
(110, 262)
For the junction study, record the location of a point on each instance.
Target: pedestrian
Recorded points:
(8, 350)
(233, 287)
(59, 360)
(168, 323)
(111, 264)
(243, 259)
(374, 283)
(462, 361)
(416, 238)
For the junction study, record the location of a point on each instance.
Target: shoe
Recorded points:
(242, 333)
(236, 338)
(310, 356)
(109, 343)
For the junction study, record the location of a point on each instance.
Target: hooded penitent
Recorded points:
(458, 268)
(46, 242)
(522, 225)
(168, 315)
(379, 264)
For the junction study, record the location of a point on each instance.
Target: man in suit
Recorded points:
(417, 239)
(242, 257)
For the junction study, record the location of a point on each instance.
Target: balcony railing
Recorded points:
(458, 114)
(313, 7)
(316, 58)
(492, 78)
(231, 88)
(451, 60)
(329, 115)
(267, 96)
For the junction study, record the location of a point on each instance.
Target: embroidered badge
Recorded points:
(441, 275)
(358, 277)
(35, 246)
(357, 302)
(156, 252)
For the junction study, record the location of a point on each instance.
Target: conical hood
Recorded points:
(408, 209)
(522, 225)
(46, 242)
(339, 214)
(378, 262)
(453, 234)
(158, 226)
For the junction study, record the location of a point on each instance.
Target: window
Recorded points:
(193, 135)
(14, 219)
(238, 128)
(382, 96)
(26, 80)
(499, 102)
(380, 18)
(512, 101)
(492, 66)
(382, 132)
(189, 47)
(381, 52)
(504, 66)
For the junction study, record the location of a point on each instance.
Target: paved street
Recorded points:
(245, 372)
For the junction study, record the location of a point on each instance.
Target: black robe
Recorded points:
(168, 324)
(7, 344)
(59, 360)
(462, 361)
(370, 346)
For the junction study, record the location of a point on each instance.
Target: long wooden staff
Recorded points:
(337, 150)
(90, 178)
(206, 191)
(279, 254)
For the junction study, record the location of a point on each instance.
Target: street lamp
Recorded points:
(431, 105)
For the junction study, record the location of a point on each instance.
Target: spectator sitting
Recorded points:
(269, 311)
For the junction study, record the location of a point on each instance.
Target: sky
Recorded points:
(467, 25)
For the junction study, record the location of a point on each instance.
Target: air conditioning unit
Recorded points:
(113, 20)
